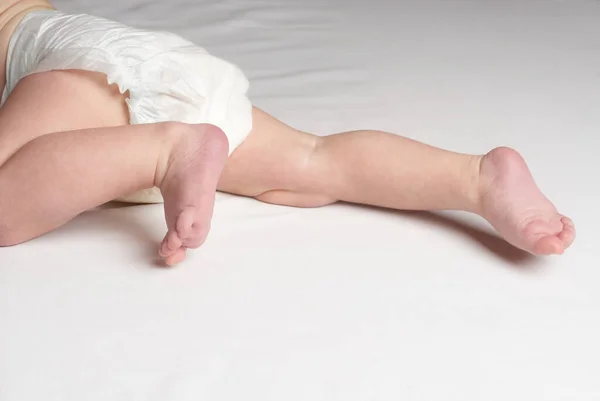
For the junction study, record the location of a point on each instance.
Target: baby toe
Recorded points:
(177, 257)
(186, 223)
(549, 245)
(567, 236)
(170, 244)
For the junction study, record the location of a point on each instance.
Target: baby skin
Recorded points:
(498, 186)
(80, 152)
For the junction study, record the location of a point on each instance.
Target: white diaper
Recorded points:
(168, 77)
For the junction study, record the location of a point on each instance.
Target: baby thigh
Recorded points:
(58, 101)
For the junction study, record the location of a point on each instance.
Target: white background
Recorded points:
(340, 303)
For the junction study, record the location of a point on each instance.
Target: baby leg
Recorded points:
(55, 177)
(281, 165)
(390, 171)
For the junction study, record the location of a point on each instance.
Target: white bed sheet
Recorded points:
(340, 303)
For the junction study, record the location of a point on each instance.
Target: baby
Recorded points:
(94, 111)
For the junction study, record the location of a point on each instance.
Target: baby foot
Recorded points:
(513, 204)
(188, 186)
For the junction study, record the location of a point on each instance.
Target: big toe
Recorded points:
(171, 249)
(550, 245)
(176, 257)
(567, 236)
(170, 244)
(190, 228)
